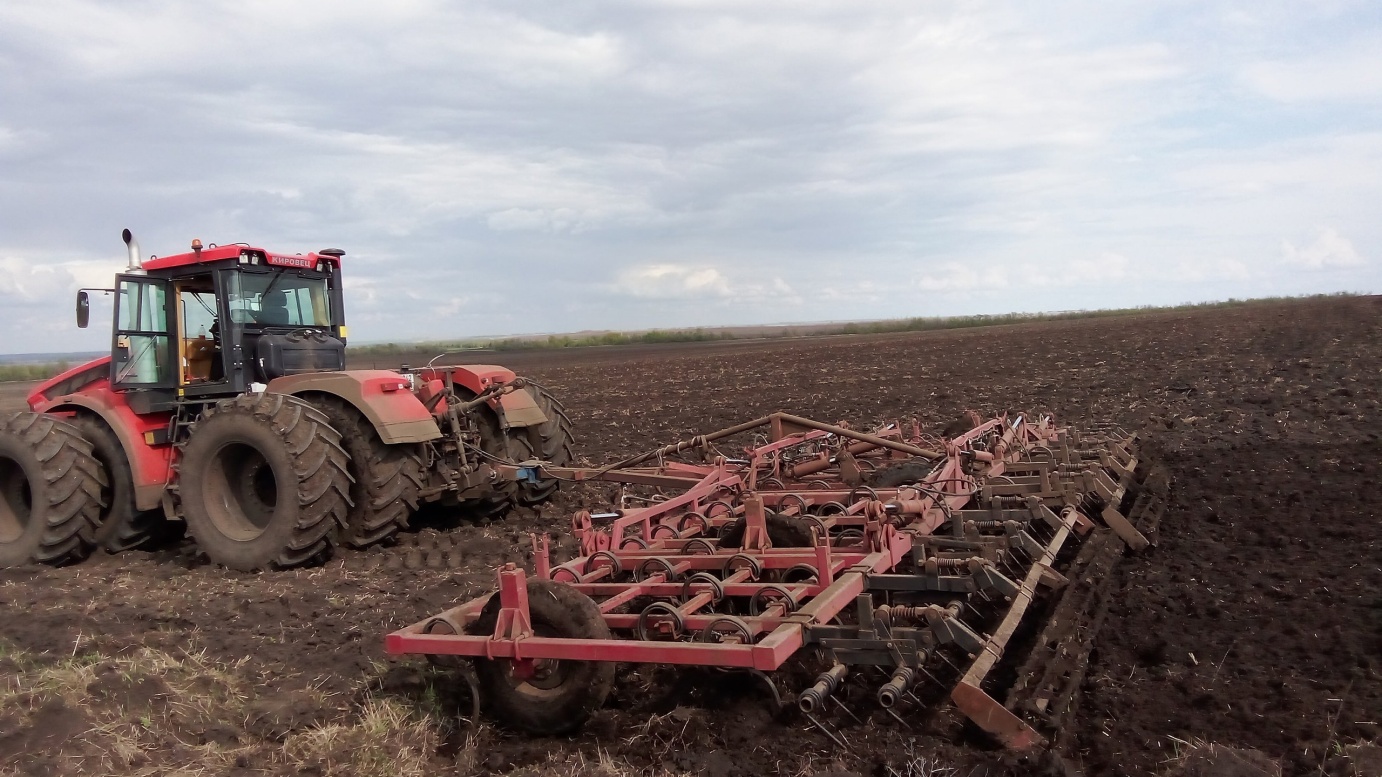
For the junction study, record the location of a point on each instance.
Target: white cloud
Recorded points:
(672, 281)
(1105, 269)
(1329, 250)
(704, 283)
(1207, 269)
(452, 307)
(24, 282)
(1351, 70)
(955, 276)
(533, 220)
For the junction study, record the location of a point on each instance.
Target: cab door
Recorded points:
(143, 354)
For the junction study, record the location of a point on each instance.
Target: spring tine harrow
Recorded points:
(916, 556)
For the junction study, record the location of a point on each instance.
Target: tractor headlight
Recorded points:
(244, 257)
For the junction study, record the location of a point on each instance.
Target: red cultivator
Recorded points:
(895, 556)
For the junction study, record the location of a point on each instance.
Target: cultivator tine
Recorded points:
(892, 713)
(846, 709)
(824, 729)
(742, 562)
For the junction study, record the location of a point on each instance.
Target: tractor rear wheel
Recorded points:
(387, 477)
(550, 441)
(546, 696)
(264, 482)
(123, 526)
(50, 491)
(503, 493)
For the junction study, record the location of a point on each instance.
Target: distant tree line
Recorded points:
(13, 372)
(867, 327)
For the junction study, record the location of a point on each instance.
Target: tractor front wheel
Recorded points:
(546, 696)
(50, 491)
(264, 482)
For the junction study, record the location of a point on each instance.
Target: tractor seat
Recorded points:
(199, 355)
(273, 309)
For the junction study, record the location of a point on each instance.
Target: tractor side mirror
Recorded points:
(83, 309)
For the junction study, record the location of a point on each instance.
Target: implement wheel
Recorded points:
(123, 526)
(546, 696)
(50, 491)
(263, 482)
(387, 477)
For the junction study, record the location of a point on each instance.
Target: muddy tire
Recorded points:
(504, 493)
(123, 526)
(559, 695)
(783, 531)
(263, 482)
(387, 478)
(50, 491)
(550, 442)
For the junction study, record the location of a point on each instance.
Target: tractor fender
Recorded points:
(515, 409)
(149, 461)
(69, 382)
(383, 397)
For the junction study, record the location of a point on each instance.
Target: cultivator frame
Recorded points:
(740, 563)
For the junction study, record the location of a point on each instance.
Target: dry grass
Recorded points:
(151, 712)
(1198, 758)
(384, 739)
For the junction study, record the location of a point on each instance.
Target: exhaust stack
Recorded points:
(132, 245)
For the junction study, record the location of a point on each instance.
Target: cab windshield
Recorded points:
(279, 299)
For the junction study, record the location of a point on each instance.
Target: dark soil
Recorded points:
(1256, 623)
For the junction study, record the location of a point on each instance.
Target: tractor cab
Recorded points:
(217, 320)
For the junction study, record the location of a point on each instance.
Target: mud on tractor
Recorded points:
(226, 404)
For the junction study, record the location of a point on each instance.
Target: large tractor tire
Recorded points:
(387, 478)
(547, 697)
(504, 493)
(264, 482)
(50, 491)
(550, 441)
(123, 526)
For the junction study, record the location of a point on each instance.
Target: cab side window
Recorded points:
(142, 355)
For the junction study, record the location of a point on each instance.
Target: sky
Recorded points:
(524, 167)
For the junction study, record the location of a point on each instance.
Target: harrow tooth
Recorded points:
(892, 713)
(824, 729)
(893, 552)
(846, 709)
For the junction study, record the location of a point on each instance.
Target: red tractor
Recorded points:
(226, 404)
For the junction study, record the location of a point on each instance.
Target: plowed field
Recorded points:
(1256, 623)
